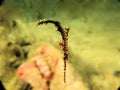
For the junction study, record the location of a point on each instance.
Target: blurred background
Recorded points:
(94, 38)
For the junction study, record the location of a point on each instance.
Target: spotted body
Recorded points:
(64, 34)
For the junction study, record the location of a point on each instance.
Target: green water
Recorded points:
(94, 43)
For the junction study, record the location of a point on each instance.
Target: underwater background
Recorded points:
(93, 41)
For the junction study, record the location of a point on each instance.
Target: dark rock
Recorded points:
(1, 2)
(23, 43)
(117, 73)
(14, 24)
(17, 52)
(118, 88)
(1, 86)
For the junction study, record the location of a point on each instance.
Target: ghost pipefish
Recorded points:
(64, 44)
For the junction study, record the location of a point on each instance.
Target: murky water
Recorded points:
(94, 45)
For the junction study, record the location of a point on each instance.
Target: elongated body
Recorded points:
(64, 34)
